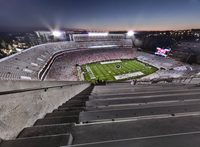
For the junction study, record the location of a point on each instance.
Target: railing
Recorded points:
(45, 88)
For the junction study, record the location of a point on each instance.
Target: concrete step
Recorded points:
(127, 85)
(131, 94)
(73, 105)
(116, 130)
(78, 99)
(81, 99)
(67, 110)
(56, 120)
(74, 101)
(190, 139)
(71, 108)
(45, 130)
(141, 100)
(40, 141)
(135, 112)
(173, 91)
(132, 89)
(143, 105)
(62, 113)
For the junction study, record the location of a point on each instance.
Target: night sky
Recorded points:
(100, 14)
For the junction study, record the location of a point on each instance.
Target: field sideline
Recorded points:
(109, 71)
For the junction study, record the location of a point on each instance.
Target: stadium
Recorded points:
(62, 60)
(97, 89)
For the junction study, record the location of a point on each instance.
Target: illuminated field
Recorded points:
(116, 70)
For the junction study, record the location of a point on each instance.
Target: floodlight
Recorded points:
(57, 33)
(130, 33)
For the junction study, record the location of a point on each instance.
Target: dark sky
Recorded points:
(100, 14)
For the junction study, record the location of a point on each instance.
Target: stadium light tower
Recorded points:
(130, 33)
(57, 33)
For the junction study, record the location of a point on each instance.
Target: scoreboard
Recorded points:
(162, 52)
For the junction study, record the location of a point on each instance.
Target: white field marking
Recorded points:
(91, 74)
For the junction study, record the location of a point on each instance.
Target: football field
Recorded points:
(116, 70)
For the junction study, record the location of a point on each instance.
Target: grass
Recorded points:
(106, 72)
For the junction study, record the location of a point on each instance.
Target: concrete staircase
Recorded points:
(54, 129)
(120, 115)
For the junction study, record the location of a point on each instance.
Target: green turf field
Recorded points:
(107, 72)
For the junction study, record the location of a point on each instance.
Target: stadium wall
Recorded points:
(21, 106)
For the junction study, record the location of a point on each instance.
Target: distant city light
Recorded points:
(130, 33)
(97, 34)
(57, 33)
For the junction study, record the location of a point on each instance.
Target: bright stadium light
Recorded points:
(97, 34)
(57, 33)
(130, 33)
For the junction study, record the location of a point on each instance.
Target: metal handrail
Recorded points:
(36, 89)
